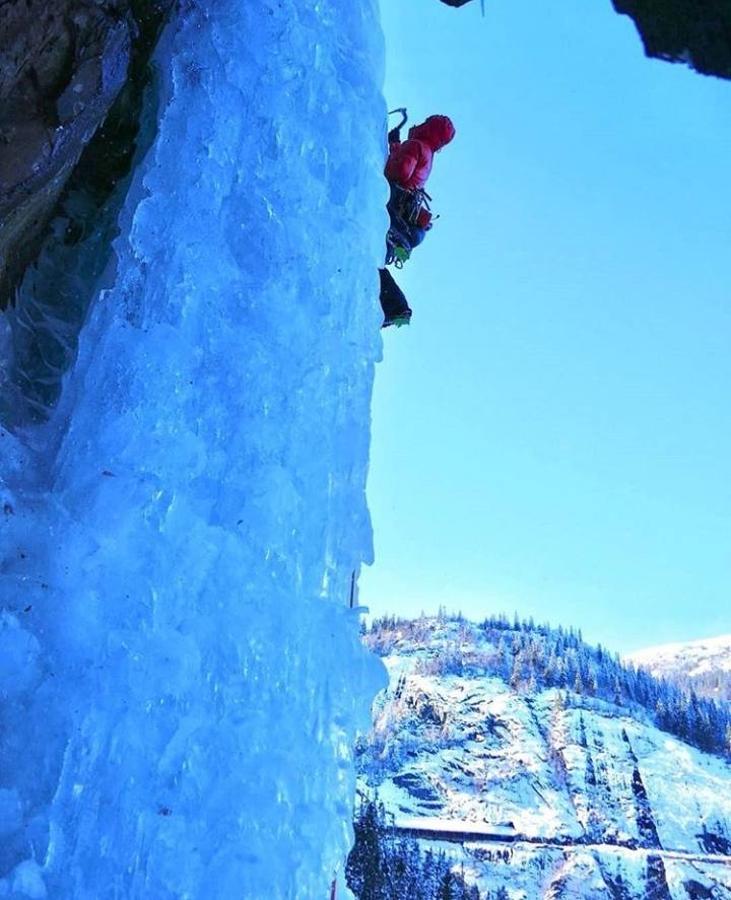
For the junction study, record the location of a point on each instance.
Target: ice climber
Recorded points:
(407, 169)
(409, 162)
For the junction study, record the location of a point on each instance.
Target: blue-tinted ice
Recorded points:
(180, 675)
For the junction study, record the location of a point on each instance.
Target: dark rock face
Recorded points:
(56, 233)
(62, 66)
(694, 31)
(697, 32)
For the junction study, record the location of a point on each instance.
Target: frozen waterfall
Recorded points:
(181, 678)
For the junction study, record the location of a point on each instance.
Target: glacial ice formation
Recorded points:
(181, 675)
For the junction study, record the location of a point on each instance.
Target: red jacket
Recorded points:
(409, 164)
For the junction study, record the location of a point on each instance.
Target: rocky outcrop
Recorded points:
(697, 32)
(63, 65)
(61, 194)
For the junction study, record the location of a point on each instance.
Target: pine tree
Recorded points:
(656, 886)
(616, 691)
(366, 866)
(578, 686)
(447, 887)
(518, 673)
(582, 730)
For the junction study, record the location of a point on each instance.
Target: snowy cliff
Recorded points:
(537, 791)
(180, 674)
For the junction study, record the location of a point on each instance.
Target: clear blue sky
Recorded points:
(553, 432)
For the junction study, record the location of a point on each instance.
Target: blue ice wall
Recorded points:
(181, 677)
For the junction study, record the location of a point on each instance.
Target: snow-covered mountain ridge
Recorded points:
(548, 789)
(703, 665)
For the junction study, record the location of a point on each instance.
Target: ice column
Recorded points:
(180, 675)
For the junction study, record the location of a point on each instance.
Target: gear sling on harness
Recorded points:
(406, 210)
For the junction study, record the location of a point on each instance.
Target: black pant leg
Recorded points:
(393, 299)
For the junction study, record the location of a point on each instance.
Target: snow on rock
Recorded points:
(550, 793)
(690, 659)
(182, 680)
(500, 756)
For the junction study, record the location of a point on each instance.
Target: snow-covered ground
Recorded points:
(181, 677)
(689, 659)
(486, 754)
(564, 791)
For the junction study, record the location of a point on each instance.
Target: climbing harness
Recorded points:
(406, 209)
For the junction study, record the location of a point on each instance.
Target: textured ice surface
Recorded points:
(180, 676)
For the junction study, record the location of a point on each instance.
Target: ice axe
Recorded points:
(404, 116)
(394, 134)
